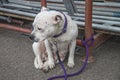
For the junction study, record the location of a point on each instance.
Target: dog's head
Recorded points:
(46, 24)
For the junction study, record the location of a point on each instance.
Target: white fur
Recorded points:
(37, 62)
(45, 27)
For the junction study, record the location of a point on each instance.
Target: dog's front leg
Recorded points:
(71, 53)
(38, 61)
(50, 62)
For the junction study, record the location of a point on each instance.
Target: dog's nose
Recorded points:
(32, 37)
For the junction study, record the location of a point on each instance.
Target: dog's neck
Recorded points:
(64, 27)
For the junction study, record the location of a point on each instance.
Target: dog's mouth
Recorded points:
(35, 39)
(39, 40)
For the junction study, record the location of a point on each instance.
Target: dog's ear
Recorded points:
(57, 19)
(44, 9)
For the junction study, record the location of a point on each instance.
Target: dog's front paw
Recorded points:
(70, 65)
(48, 65)
(45, 66)
(36, 63)
(51, 65)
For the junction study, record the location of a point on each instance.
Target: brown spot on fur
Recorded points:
(43, 51)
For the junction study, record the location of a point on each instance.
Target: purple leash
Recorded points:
(62, 66)
(85, 43)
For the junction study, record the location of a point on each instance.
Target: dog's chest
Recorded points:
(61, 44)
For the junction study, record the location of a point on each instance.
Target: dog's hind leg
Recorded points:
(71, 53)
(38, 61)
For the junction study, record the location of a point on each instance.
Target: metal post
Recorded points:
(88, 25)
(88, 19)
(43, 3)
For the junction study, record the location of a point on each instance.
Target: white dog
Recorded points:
(51, 27)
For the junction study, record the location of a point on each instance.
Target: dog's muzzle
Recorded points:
(32, 37)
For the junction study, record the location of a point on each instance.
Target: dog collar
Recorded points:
(64, 27)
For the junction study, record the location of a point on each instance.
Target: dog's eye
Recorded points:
(39, 28)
